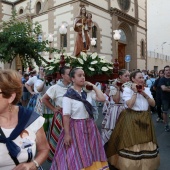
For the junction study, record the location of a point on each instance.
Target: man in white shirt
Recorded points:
(30, 83)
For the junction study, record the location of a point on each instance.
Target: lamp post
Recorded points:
(50, 40)
(116, 37)
(162, 46)
(63, 31)
(93, 43)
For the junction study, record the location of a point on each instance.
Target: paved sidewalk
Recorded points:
(163, 139)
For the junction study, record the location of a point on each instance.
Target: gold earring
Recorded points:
(10, 107)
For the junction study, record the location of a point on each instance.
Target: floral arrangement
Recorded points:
(92, 64)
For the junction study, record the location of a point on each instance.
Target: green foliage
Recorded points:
(91, 64)
(19, 38)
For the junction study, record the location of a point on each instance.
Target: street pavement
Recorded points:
(163, 139)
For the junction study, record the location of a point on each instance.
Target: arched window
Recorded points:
(123, 36)
(63, 42)
(124, 4)
(38, 7)
(21, 11)
(142, 49)
(94, 34)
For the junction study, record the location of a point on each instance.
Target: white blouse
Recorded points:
(141, 103)
(32, 81)
(39, 83)
(75, 108)
(56, 93)
(6, 163)
(113, 91)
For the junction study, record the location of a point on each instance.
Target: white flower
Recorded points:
(56, 61)
(67, 64)
(102, 57)
(51, 68)
(84, 58)
(73, 57)
(79, 67)
(94, 62)
(110, 67)
(94, 55)
(104, 69)
(84, 55)
(57, 57)
(80, 60)
(102, 61)
(90, 68)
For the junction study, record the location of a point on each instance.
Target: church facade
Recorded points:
(129, 16)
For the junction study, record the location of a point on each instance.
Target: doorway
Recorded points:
(121, 55)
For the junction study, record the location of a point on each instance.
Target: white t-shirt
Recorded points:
(32, 81)
(25, 143)
(75, 108)
(56, 93)
(39, 83)
(141, 103)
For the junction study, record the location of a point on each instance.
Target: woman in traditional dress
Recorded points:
(80, 145)
(56, 93)
(115, 105)
(133, 144)
(23, 144)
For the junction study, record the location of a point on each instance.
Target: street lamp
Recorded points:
(63, 31)
(93, 42)
(50, 40)
(162, 46)
(116, 37)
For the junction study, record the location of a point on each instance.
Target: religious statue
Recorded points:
(82, 25)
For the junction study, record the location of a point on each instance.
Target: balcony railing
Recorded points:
(160, 56)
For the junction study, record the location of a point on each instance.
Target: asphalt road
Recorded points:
(163, 139)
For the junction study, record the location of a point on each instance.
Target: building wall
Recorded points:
(6, 10)
(142, 34)
(157, 60)
(53, 13)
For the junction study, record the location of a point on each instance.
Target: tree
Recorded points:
(19, 38)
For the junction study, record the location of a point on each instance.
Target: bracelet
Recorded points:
(135, 93)
(36, 163)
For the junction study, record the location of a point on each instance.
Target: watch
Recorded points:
(36, 163)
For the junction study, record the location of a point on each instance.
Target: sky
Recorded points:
(158, 12)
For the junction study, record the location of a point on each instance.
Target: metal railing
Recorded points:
(160, 56)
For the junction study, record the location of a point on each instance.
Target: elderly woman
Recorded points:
(21, 131)
(133, 144)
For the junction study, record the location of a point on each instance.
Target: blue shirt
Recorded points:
(150, 82)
